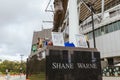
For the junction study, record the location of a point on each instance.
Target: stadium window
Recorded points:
(106, 28)
(116, 26)
(99, 31)
(102, 30)
(110, 28)
(113, 24)
(96, 33)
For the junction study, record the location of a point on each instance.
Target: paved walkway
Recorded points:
(23, 78)
(13, 77)
(111, 78)
(2, 78)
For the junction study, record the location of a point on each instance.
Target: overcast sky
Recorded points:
(18, 20)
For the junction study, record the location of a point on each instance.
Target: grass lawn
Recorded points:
(40, 76)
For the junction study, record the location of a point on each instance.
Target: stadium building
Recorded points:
(106, 18)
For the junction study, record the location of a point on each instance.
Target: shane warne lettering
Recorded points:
(62, 66)
(71, 65)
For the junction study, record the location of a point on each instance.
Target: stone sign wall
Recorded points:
(73, 64)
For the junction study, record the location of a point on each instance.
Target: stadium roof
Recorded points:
(85, 11)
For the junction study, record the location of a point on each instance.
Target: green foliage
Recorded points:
(40, 76)
(12, 66)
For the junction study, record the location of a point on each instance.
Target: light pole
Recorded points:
(93, 29)
(21, 63)
(90, 5)
(21, 58)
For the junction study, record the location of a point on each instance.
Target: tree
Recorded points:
(12, 66)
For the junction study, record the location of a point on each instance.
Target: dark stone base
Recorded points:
(73, 64)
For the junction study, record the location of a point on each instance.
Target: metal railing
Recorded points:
(113, 71)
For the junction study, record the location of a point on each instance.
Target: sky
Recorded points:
(18, 20)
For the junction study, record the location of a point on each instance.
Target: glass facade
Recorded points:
(105, 29)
